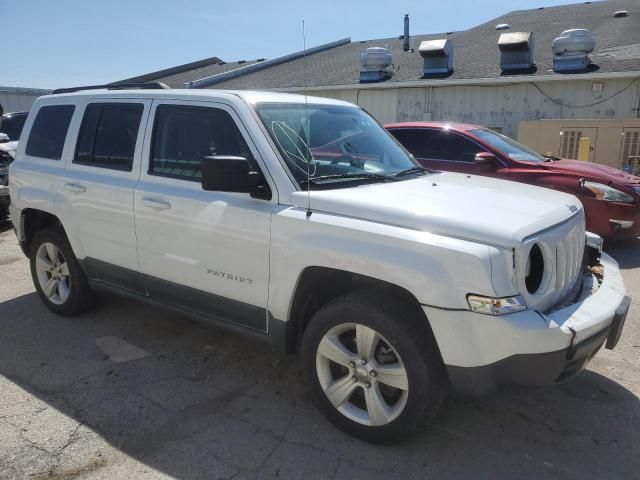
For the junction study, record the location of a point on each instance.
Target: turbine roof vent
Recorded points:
(437, 55)
(375, 63)
(516, 50)
(571, 50)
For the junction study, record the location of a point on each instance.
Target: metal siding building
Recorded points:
(15, 99)
(477, 89)
(499, 105)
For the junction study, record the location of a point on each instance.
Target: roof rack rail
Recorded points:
(115, 86)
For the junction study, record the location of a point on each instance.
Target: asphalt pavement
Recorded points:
(130, 391)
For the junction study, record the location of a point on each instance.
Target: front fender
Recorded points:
(439, 271)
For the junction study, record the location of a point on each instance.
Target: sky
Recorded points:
(62, 43)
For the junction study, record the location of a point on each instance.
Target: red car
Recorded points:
(611, 197)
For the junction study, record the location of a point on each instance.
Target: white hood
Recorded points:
(476, 208)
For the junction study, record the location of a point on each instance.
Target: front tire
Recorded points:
(57, 275)
(374, 368)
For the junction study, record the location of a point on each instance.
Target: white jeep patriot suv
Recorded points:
(303, 222)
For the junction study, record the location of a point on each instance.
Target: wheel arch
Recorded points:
(318, 285)
(33, 220)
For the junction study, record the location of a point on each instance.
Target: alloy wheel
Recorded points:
(361, 374)
(53, 273)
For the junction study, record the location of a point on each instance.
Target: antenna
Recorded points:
(306, 116)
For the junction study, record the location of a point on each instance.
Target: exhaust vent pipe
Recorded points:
(405, 45)
(375, 62)
(437, 55)
(516, 51)
(571, 50)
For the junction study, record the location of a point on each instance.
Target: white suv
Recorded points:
(301, 221)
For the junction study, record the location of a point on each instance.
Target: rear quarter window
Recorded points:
(49, 131)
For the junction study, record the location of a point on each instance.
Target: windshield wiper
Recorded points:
(409, 171)
(350, 176)
(551, 158)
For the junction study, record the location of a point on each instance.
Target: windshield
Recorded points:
(343, 143)
(12, 126)
(505, 145)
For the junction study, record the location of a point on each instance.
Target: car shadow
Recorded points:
(193, 401)
(626, 252)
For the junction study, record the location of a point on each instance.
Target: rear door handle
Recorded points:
(155, 203)
(75, 187)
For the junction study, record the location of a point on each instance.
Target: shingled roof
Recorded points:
(476, 54)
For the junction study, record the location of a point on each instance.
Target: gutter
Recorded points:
(463, 81)
(221, 77)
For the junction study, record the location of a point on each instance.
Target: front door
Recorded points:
(201, 250)
(443, 149)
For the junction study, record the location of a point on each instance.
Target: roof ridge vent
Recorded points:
(571, 50)
(375, 62)
(437, 55)
(516, 51)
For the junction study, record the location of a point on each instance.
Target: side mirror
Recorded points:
(229, 174)
(485, 159)
(4, 138)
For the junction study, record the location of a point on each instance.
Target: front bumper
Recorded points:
(529, 348)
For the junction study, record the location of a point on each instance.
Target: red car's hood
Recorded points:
(592, 171)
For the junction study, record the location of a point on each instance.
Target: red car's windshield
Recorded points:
(507, 146)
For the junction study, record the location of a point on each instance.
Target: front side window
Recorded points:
(49, 131)
(332, 143)
(438, 144)
(108, 135)
(183, 135)
(507, 146)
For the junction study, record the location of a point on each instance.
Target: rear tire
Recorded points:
(57, 275)
(374, 367)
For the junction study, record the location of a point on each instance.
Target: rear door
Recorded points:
(96, 192)
(441, 149)
(201, 250)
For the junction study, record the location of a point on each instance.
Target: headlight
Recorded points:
(495, 306)
(605, 192)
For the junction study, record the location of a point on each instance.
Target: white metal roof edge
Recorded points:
(463, 81)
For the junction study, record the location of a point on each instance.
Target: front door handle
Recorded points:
(75, 187)
(155, 203)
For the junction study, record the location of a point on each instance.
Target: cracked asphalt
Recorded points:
(129, 391)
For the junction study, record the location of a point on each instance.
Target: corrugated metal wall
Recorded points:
(500, 106)
(18, 99)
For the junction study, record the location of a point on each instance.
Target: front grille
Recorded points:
(569, 253)
(563, 249)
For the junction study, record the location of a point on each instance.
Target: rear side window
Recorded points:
(108, 135)
(49, 131)
(184, 135)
